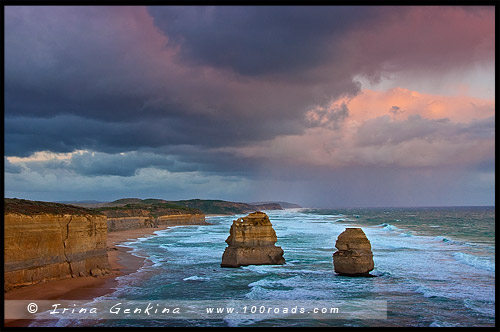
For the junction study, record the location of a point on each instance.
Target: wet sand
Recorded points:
(87, 288)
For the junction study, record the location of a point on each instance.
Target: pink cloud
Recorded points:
(426, 131)
(371, 104)
(423, 38)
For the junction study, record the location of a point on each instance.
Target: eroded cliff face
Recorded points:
(251, 242)
(127, 223)
(44, 247)
(354, 256)
(182, 219)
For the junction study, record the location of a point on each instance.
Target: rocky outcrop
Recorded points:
(354, 256)
(251, 242)
(46, 246)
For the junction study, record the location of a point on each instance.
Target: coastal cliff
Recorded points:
(127, 223)
(134, 213)
(251, 242)
(48, 241)
(135, 222)
(51, 241)
(182, 219)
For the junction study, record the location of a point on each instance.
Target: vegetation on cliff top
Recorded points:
(224, 207)
(184, 206)
(128, 207)
(133, 207)
(23, 206)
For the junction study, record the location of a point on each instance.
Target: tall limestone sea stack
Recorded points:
(354, 256)
(251, 242)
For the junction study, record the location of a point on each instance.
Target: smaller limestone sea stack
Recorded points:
(251, 242)
(354, 256)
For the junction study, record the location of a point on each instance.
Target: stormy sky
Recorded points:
(321, 106)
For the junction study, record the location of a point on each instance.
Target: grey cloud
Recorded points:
(106, 79)
(10, 167)
(103, 83)
(253, 40)
(330, 117)
(66, 133)
(95, 164)
(126, 164)
(102, 164)
(383, 130)
(395, 110)
(293, 42)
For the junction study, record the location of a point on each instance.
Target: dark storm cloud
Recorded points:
(65, 133)
(105, 79)
(260, 40)
(177, 159)
(290, 43)
(188, 81)
(118, 164)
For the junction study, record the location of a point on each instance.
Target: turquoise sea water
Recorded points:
(434, 267)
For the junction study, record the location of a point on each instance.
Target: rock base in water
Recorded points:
(251, 242)
(354, 257)
(235, 257)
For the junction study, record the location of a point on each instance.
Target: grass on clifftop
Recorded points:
(217, 206)
(189, 206)
(134, 207)
(140, 208)
(23, 206)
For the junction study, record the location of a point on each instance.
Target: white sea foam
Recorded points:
(388, 227)
(196, 278)
(289, 282)
(438, 323)
(483, 307)
(442, 239)
(479, 262)
(262, 293)
(342, 219)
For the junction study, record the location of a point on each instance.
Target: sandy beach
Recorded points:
(87, 288)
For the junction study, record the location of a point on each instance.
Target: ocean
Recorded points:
(433, 267)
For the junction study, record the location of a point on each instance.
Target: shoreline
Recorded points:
(122, 262)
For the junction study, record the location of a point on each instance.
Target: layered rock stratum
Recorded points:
(48, 241)
(354, 256)
(252, 241)
(135, 222)
(133, 213)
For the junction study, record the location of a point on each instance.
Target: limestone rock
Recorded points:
(48, 246)
(354, 256)
(116, 224)
(251, 242)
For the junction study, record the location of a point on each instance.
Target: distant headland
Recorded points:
(206, 206)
